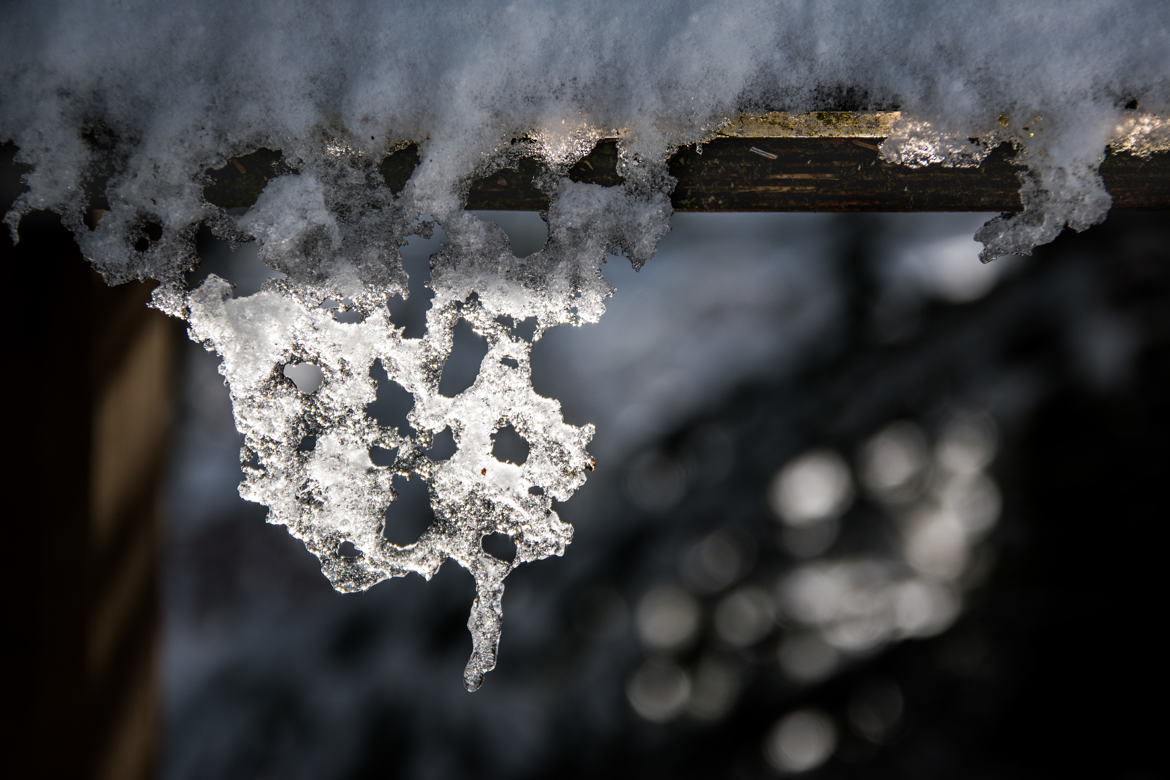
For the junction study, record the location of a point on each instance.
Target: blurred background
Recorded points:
(863, 508)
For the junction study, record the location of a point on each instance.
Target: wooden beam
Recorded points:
(827, 161)
(832, 174)
(830, 161)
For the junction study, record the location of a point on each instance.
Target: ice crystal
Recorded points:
(334, 497)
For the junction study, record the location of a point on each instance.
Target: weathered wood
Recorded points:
(90, 419)
(826, 174)
(815, 162)
(832, 174)
(89, 415)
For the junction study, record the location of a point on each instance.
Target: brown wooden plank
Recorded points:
(832, 174)
(89, 415)
(762, 173)
(846, 174)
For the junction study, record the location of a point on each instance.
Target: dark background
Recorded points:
(747, 342)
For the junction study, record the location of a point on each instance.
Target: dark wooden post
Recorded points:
(88, 411)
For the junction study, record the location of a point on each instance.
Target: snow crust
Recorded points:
(120, 108)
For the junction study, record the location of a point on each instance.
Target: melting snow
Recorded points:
(119, 109)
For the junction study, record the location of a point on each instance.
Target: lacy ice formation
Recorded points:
(118, 110)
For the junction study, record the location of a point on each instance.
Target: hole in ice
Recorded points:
(240, 264)
(347, 550)
(443, 445)
(343, 311)
(307, 444)
(523, 329)
(552, 373)
(150, 232)
(306, 376)
(500, 546)
(462, 367)
(527, 232)
(392, 402)
(509, 446)
(240, 180)
(380, 456)
(410, 312)
(510, 362)
(397, 167)
(536, 490)
(409, 516)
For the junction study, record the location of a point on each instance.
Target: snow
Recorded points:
(151, 97)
